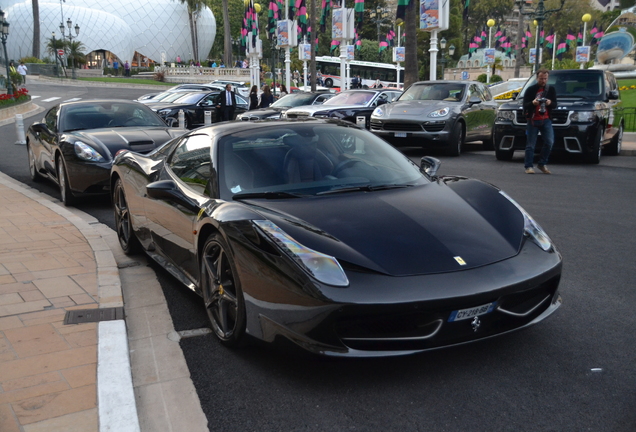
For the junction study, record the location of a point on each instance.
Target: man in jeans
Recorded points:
(538, 102)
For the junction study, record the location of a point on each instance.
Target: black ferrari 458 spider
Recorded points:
(322, 233)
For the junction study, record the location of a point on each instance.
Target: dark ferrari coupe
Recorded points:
(75, 143)
(320, 232)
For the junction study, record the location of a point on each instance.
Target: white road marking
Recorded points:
(50, 99)
(35, 97)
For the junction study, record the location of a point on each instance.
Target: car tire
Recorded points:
(222, 293)
(123, 224)
(33, 170)
(66, 196)
(614, 147)
(456, 141)
(329, 82)
(594, 154)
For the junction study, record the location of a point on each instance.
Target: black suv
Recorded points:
(586, 122)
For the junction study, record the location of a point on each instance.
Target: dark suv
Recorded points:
(586, 122)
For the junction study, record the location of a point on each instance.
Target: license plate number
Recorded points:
(472, 312)
(400, 134)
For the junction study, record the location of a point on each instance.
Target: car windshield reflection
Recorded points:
(310, 160)
(95, 115)
(351, 98)
(434, 92)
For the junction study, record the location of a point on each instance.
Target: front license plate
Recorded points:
(464, 314)
(400, 134)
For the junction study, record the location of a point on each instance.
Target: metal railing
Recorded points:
(629, 118)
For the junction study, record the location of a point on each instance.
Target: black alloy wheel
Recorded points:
(456, 141)
(222, 292)
(594, 154)
(33, 170)
(123, 224)
(66, 196)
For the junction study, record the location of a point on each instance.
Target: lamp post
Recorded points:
(379, 16)
(69, 24)
(490, 23)
(444, 60)
(539, 14)
(5, 35)
(585, 18)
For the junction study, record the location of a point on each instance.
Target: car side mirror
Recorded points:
(613, 95)
(429, 166)
(474, 100)
(167, 190)
(381, 102)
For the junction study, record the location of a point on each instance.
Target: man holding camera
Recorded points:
(538, 102)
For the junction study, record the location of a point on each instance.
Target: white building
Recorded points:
(156, 29)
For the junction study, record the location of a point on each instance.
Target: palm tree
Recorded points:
(194, 6)
(36, 28)
(52, 46)
(75, 50)
(227, 35)
(410, 45)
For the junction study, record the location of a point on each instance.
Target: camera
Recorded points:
(542, 104)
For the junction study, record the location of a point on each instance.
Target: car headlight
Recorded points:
(378, 112)
(87, 153)
(531, 228)
(164, 112)
(505, 115)
(440, 112)
(322, 267)
(583, 116)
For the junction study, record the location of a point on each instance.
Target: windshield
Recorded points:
(431, 92)
(95, 115)
(308, 159)
(190, 98)
(294, 100)
(498, 89)
(351, 98)
(572, 84)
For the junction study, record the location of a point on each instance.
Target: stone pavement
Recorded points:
(78, 377)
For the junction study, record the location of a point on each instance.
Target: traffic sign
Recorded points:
(60, 52)
(464, 75)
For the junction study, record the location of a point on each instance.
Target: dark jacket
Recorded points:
(266, 100)
(531, 94)
(221, 99)
(253, 101)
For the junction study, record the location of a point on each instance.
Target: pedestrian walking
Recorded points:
(538, 102)
(22, 70)
(127, 69)
(226, 103)
(267, 98)
(253, 98)
(116, 67)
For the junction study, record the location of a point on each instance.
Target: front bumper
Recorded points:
(429, 133)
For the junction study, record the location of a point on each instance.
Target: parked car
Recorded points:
(288, 230)
(292, 100)
(354, 106)
(586, 122)
(74, 145)
(194, 106)
(181, 88)
(505, 90)
(240, 87)
(438, 114)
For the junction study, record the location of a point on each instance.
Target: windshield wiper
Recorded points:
(365, 188)
(266, 195)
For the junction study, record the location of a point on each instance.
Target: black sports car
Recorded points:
(181, 88)
(438, 114)
(292, 100)
(322, 233)
(75, 143)
(354, 106)
(194, 106)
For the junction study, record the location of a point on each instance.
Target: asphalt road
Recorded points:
(572, 372)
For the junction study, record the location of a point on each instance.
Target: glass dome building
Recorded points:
(158, 29)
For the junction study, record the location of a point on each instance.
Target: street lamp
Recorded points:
(379, 16)
(539, 14)
(490, 23)
(69, 24)
(585, 18)
(444, 60)
(5, 35)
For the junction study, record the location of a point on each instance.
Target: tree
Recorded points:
(194, 6)
(36, 28)
(235, 10)
(76, 52)
(227, 34)
(52, 46)
(411, 65)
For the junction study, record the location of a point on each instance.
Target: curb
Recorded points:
(116, 399)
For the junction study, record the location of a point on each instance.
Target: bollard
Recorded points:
(181, 119)
(19, 129)
(208, 118)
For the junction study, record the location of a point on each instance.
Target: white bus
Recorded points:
(329, 67)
